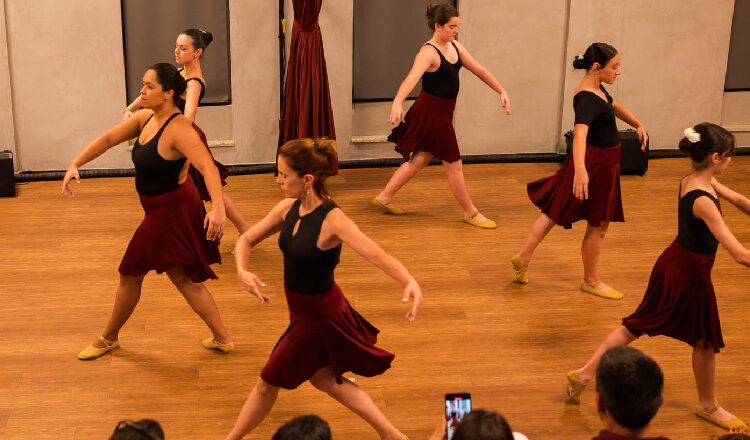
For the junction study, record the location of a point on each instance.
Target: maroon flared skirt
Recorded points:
(324, 330)
(198, 177)
(680, 301)
(171, 234)
(428, 127)
(554, 194)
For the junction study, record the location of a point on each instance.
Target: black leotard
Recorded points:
(444, 81)
(181, 102)
(307, 268)
(693, 233)
(154, 174)
(599, 115)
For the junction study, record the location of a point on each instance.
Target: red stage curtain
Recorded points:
(306, 111)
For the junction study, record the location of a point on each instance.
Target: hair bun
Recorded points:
(431, 10)
(579, 62)
(209, 37)
(325, 146)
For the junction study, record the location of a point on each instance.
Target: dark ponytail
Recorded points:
(201, 39)
(170, 79)
(439, 14)
(596, 53)
(704, 140)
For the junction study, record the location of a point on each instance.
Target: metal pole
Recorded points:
(282, 54)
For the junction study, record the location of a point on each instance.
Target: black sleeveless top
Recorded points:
(181, 102)
(599, 115)
(444, 81)
(307, 269)
(694, 234)
(153, 174)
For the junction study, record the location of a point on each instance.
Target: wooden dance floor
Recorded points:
(478, 332)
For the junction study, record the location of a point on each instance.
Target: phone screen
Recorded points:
(456, 407)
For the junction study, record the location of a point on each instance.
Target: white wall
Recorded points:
(67, 77)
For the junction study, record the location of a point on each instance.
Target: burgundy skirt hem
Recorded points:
(200, 184)
(680, 301)
(324, 330)
(428, 127)
(171, 234)
(554, 194)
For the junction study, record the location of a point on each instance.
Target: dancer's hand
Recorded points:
(253, 284)
(642, 136)
(126, 115)
(72, 173)
(413, 291)
(505, 102)
(581, 185)
(397, 113)
(214, 224)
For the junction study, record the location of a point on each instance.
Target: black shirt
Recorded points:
(443, 82)
(181, 102)
(599, 115)
(307, 268)
(694, 234)
(153, 174)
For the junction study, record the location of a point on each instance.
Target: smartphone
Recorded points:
(457, 405)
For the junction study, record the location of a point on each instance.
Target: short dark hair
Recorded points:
(481, 424)
(440, 14)
(170, 79)
(307, 427)
(713, 139)
(145, 429)
(630, 385)
(596, 53)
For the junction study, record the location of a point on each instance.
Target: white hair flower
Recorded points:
(692, 135)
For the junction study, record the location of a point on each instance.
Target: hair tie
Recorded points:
(202, 31)
(692, 135)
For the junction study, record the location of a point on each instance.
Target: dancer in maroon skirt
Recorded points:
(680, 301)
(326, 336)
(171, 238)
(188, 49)
(427, 129)
(587, 187)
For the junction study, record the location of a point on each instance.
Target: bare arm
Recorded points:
(581, 176)
(269, 225)
(121, 132)
(705, 209)
(485, 75)
(426, 57)
(626, 116)
(192, 95)
(348, 232)
(741, 202)
(132, 108)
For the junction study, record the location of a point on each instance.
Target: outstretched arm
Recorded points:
(132, 108)
(348, 232)
(705, 209)
(741, 202)
(271, 223)
(426, 57)
(485, 75)
(121, 132)
(626, 116)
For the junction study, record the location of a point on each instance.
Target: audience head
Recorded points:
(168, 78)
(307, 427)
(704, 140)
(145, 429)
(596, 53)
(732, 436)
(312, 157)
(440, 14)
(629, 387)
(481, 424)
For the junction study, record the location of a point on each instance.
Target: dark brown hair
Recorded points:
(481, 424)
(170, 79)
(596, 53)
(714, 139)
(311, 156)
(201, 39)
(439, 14)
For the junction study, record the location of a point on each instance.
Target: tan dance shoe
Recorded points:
(391, 209)
(213, 344)
(519, 269)
(92, 352)
(735, 423)
(574, 387)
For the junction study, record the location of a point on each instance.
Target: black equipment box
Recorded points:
(633, 161)
(7, 180)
